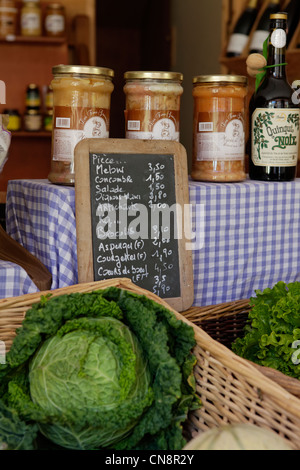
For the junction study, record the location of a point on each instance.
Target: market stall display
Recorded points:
(170, 374)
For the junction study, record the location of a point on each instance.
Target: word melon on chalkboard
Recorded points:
(132, 215)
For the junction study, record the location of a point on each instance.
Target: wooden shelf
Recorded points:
(33, 40)
(31, 134)
(231, 10)
(29, 59)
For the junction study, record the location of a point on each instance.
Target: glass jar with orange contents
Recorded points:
(219, 128)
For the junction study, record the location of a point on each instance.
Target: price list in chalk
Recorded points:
(133, 205)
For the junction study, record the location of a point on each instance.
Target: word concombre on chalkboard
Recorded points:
(131, 203)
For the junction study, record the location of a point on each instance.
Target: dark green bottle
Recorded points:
(274, 115)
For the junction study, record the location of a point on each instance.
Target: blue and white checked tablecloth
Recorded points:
(251, 238)
(14, 281)
(41, 217)
(248, 234)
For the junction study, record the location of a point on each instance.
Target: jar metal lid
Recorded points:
(31, 4)
(11, 112)
(220, 79)
(82, 69)
(144, 75)
(32, 112)
(55, 6)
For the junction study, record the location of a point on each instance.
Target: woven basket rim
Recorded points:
(235, 363)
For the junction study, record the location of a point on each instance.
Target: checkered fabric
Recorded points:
(41, 217)
(247, 235)
(14, 281)
(250, 238)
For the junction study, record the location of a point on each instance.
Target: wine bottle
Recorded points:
(262, 30)
(293, 11)
(240, 34)
(274, 115)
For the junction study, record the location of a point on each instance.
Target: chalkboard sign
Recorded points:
(131, 215)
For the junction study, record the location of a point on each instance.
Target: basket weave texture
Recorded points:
(232, 390)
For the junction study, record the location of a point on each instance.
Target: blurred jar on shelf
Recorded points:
(14, 121)
(32, 120)
(33, 97)
(8, 18)
(31, 18)
(55, 21)
(49, 98)
(48, 120)
(48, 108)
(219, 127)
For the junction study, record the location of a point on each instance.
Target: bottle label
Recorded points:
(258, 40)
(236, 43)
(152, 125)
(278, 38)
(275, 137)
(220, 136)
(72, 124)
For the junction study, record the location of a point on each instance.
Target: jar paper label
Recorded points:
(152, 125)
(220, 136)
(275, 137)
(70, 125)
(55, 23)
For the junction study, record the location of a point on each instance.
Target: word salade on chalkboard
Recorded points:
(131, 203)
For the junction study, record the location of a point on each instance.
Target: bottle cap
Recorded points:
(279, 16)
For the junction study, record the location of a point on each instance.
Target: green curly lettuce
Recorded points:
(272, 333)
(107, 369)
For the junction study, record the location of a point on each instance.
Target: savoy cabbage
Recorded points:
(107, 369)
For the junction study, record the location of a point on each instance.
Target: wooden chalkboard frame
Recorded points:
(83, 205)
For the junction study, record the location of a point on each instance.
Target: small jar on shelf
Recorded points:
(31, 18)
(48, 120)
(8, 18)
(33, 97)
(32, 120)
(55, 22)
(48, 107)
(14, 121)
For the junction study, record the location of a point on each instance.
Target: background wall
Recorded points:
(196, 27)
(178, 35)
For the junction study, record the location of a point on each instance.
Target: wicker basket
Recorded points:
(232, 390)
